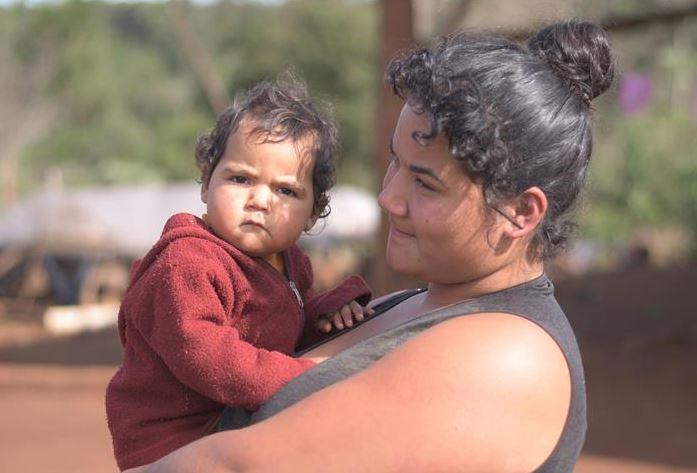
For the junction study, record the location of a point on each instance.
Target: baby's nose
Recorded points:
(260, 197)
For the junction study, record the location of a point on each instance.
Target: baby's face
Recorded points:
(259, 197)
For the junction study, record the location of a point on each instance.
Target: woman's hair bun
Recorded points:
(579, 53)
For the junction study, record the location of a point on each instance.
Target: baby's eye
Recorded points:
(239, 179)
(287, 191)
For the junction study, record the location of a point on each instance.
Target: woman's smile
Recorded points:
(400, 233)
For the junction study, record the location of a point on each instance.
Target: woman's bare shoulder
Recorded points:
(503, 384)
(492, 390)
(486, 392)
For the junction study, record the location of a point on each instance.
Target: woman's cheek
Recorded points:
(425, 216)
(430, 221)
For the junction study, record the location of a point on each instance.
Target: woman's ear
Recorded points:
(526, 212)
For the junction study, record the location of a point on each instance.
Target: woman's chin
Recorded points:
(402, 264)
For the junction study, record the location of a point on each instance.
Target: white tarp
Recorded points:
(129, 219)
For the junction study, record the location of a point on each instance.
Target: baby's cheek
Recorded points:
(290, 224)
(295, 215)
(285, 217)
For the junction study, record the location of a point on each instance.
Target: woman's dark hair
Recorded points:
(514, 116)
(279, 111)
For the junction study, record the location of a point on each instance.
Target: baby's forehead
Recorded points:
(255, 132)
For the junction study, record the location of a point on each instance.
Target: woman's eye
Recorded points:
(423, 185)
(287, 191)
(239, 179)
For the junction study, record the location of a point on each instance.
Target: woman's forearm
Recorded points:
(217, 453)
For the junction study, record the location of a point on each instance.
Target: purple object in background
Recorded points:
(694, 102)
(634, 93)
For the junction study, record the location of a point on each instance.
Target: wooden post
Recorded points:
(396, 35)
(197, 56)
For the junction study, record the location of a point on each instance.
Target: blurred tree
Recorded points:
(128, 106)
(125, 107)
(25, 113)
(644, 173)
(333, 45)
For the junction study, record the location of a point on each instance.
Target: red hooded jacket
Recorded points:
(204, 326)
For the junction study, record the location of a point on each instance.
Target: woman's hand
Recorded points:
(345, 317)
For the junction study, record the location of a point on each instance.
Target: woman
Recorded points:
(481, 371)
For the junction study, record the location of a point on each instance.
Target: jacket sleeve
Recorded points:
(317, 305)
(187, 328)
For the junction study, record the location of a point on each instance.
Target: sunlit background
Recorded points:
(101, 104)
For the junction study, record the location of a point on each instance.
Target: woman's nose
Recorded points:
(391, 198)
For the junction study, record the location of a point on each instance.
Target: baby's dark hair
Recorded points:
(514, 117)
(279, 110)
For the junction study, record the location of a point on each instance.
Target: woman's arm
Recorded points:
(486, 392)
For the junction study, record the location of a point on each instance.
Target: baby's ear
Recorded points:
(311, 222)
(204, 192)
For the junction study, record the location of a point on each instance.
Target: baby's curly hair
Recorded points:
(279, 110)
(514, 116)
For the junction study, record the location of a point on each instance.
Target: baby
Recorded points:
(216, 309)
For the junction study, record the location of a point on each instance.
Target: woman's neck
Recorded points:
(440, 295)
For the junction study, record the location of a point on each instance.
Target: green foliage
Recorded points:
(332, 44)
(644, 173)
(128, 107)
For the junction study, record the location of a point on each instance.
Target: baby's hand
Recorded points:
(344, 317)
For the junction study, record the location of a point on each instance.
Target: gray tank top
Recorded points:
(533, 300)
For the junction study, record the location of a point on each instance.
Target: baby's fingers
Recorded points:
(346, 316)
(335, 320)
(324, 325)
(356, 310)
(360, 312)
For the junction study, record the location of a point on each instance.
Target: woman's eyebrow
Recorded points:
(415, 168)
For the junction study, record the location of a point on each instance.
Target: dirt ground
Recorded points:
(637, 330)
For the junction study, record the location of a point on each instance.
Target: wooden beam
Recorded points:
(197, 56)
(617, 24)
(454, 12)
(396, 35)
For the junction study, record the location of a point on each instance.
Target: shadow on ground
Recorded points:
(88, 349)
